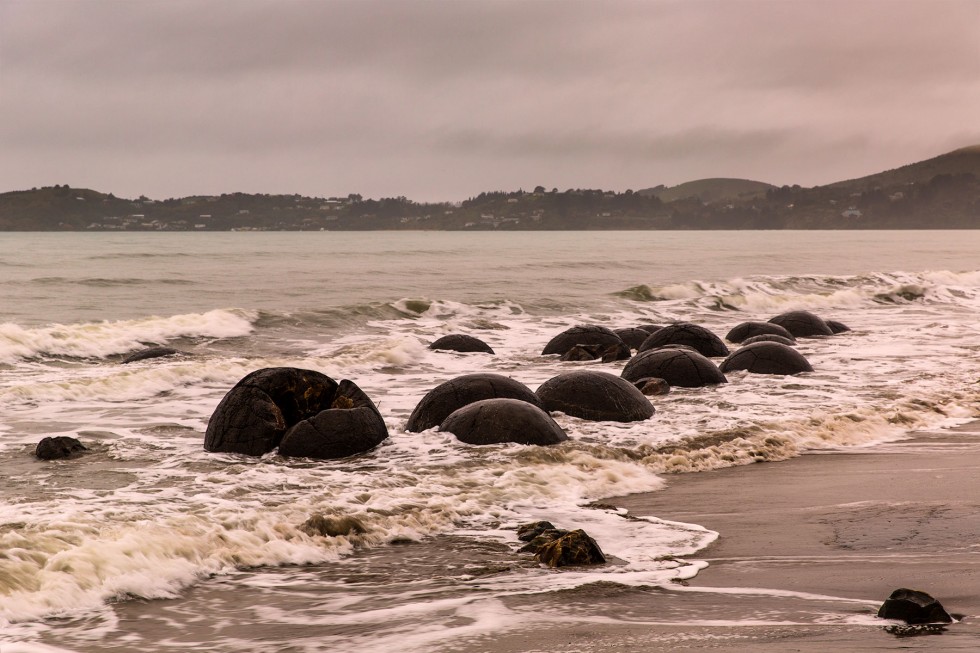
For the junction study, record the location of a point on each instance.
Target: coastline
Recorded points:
(808, 549)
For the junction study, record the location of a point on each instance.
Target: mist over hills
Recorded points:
(939, 193)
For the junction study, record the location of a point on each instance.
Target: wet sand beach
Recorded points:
(808, 549)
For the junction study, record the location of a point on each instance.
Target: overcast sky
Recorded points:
(439, 100)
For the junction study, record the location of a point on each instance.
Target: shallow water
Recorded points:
(121, 547)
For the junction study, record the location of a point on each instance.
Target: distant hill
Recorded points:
(939, 193)
(709, 191)
(965, 160)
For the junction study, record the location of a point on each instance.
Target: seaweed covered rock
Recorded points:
(496, 421)
(632, 336)
(745, 330)
(685, 333)
(766, 358)
(527, 532)
(351, 425)
(586, 334)
(596, 396)
(462, 343)
(58, 447)
(152, 352)
(561, 548)
(679, 367)
(802, 324)
(913, 607)
(770, 337)
(303, 412)
(447, 397)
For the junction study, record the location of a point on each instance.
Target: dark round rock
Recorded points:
(632, 336)
(766, 358)
(678, 367)
(837, 327)
(606, 353)
(151, 352)
(652, 386)
(802, 324)
(913, 607)
(462, 343)
(596, 396)
(447, 397)
(57, 447)
(685, 333)
(745, 330)
(769, 337)
(587, 334)
(496, 421)
(254, 415)
(650, 328)
(351, 425)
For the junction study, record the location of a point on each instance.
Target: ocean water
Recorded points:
(149, 543)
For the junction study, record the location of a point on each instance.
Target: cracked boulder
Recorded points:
(679, 367)
(770, 337)
(596, 396)
(745, 330)
(462, 343)
(447, 397)
(802, 324)
(766, 358)
(684, 333)
(498, 421)
(913, 607)
(632, 336)
(351, 425)
(586, 334)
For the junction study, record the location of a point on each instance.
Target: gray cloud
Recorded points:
(441, 99)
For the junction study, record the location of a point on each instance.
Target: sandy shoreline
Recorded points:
(808, 549)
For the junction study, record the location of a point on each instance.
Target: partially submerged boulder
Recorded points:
(766, 358)
(586, 334)
(802, 324)
(652, 386)
(745, 330)
(770, 337)
(462, 343)
(496, 421)
(837, 327)
(333, 526)
(351, 425)
(913, 607)
(679, 367)
(685, 333)
(596, 396)
(527, 532)
(605, 353)
(303, 412)
(447, 397)
(632, 336)
(58, 447)
(152, 352)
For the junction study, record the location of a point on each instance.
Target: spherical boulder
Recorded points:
(685, 333)
(913, 607)
(462, 343)
(351, 425)
(837, 327)
(650, 328)
(447, 397)
(586, 334)
(769, 337)
(596, 396)
(632, 336)
(745, 330)
(606, 353)
(802, 324)
(496, 421)
(766, 358)
(677, 366)
(255, 414)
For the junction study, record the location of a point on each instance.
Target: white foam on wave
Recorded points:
(101, 339)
